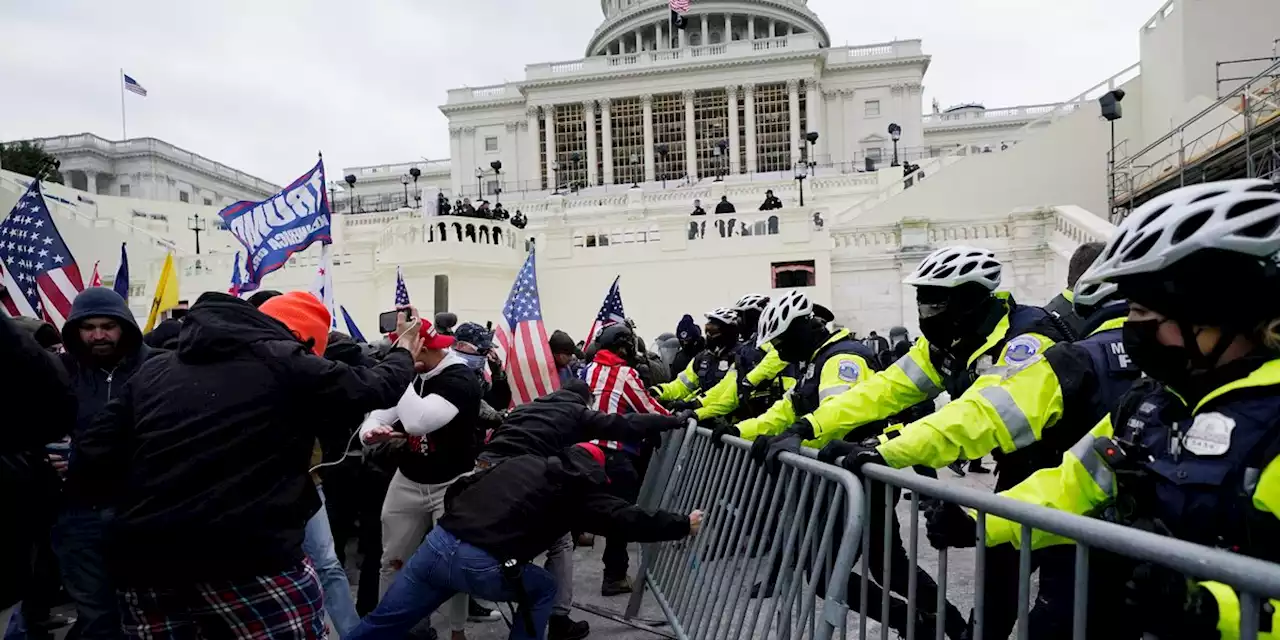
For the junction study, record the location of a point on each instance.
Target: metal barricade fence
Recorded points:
(775, 552)
(1254, 580)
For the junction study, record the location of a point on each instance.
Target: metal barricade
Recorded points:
(1254, 580)
(775, 552)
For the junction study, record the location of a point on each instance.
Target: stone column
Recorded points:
(663, 37)
(731, 92)
(834, 134)
(549, 113)
(606, 132)
(684, 34)
(589, 118)
(850, 128)
(773, 28)
(793, 110)
(455, 153)
(647, 101)
(706, 39)
(751, 27)
(638, 42)
(812, 109)
(532, 178)
(749, 104)
(510, 158)
(690, 136)
(728, 28)
(472, 152)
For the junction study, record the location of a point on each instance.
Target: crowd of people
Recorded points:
(465, 208)
(209, 484)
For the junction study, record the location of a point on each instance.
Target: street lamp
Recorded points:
(575, 163)
(720, 151)
(1110, 103)
(555, 168)
(497, 172)
(404, 180)
(199, 226)
(810, 139)
(479, 177)
(895, 132)
(414, 173)
(351, 191)
(662, 152)
(802, 172)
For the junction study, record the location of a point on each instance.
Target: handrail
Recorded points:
(1182, 127)
(900, 184)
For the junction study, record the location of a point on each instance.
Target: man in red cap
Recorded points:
(436, 422)
(486, 541)
(204, 457)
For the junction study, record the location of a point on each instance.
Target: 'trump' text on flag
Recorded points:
(280, 226)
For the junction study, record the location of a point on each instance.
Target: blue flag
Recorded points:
(237, 283)
(280, 226)
(352, 329)
(121, 285)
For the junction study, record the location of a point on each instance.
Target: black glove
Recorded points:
(760, 447)
(685, 405)
(1168, 605)
(788, 441)
(948, 525)
(682, 418)
(835, 450)
(862, 453)
(718, 434)
(654, 391)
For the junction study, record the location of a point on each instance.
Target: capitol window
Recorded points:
(184, 196)
(871, 108)
(491, 143)
(124, 191)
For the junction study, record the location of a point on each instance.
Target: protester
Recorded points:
(544, 427)
(519, 221)
(104, 350)
(724, 206)
(437, 418)
(45, 334)
(445, 322)
(204, 457)
(771, 201)
(691, 342)
(486, 542)
(442, 204)
(42, 409)
(567, 355)
(499, 213)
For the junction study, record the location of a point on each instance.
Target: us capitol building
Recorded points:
(607, 154)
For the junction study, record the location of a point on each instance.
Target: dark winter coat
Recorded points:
(724, 206)
(204, 453)
(560, 419)
(518, 508)
(39, 408)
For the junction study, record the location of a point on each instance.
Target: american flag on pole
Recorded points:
(531, 370)
(610, 311)
(402, 293)
(132, 85)
(40, 276)
(679, 6)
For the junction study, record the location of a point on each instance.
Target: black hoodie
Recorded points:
(517, 509)
(95, 383)
(204, 453)
(561, 418)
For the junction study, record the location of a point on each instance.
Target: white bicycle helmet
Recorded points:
(1090, 294)
(1238, 216)
(722, 314)
(954, 266)
(751, 301)
(780, 314)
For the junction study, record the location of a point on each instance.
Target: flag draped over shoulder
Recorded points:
(40, 276)
(280, 226)
(531, 370)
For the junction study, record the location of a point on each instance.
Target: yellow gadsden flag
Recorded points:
(166, 292)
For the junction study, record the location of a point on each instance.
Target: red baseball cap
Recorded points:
(596, 454)
(431, 339)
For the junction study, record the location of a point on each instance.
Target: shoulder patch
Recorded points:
(724, 365)
(848, 371)
(1021, 349)
(1209, 435)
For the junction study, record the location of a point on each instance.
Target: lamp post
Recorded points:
(895, 132)
(332, 194)
(404, 180)
(199, 226)
(496, 165)
(662, 154)
(810, 139)
(415, 173)
(1110, 103)
(555, 168)
(721, 151)
(575, 163)
(802, 172)
(351, 191)
(635, 161)
(479, 177)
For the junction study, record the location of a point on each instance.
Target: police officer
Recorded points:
(970, 331)
(1033, 414)
(1062, 306)
(758, 377)
(708, 367)
(1194, 450)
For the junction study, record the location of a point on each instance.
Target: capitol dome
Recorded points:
(631, 26)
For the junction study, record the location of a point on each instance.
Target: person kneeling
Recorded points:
(497, 521)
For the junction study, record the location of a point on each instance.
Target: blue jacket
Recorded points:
(94, 384)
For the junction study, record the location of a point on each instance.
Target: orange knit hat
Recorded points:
(304, 314)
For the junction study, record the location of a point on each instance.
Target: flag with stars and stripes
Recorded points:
(322, 287)
(610, 312)
(402, 293)
(531, 370)
(41, 277)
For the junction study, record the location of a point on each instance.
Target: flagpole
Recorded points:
(124, 131)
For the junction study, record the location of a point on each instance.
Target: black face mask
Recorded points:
(1167, 364)
(799, 341)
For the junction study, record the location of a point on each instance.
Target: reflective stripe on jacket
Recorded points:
(722, 399)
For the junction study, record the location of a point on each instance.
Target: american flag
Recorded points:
(616, 388)
(531, 370)
(132, 85)
(236, 280)
(41, 277)
(679, 6)
(610, 311)
(402, 294)
(322, 286)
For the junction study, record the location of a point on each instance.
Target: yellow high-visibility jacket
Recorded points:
(1085, 484)
(722, 399)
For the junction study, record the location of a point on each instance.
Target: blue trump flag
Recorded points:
(121, 285)
(280, 226)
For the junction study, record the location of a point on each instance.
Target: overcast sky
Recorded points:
(262, 84)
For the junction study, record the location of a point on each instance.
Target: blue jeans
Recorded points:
(78, 540)
(444, 566)
(318, 545)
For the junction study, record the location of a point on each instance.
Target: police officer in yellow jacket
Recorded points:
(971, 334)
(766, 378)
(1033, 415)
(1194, 451)
(708, 367)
